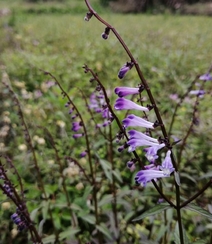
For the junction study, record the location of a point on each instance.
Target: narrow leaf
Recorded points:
(104, 230)
(177, 236)
(117, 174)
(199, 210)
(177, 177)
(88, 218)
(70, 232)
(153, 211)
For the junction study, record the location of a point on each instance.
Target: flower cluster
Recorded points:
(140, 139)
(20, 220)
(77, 124)
(98, 104)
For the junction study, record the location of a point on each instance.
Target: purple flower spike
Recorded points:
(133, 120)
(125, 91)
(145, 176)
(124, 69)
(76, 126)
(167, 166)
(134, 143)
(122, 104)
(151, 152)
(134, 134)
(205, 77)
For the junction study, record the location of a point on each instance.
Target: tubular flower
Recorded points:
(151, 152)
(134, 143)
(205, 77)
(134, 134)
(125, 91)
(133, 120)
(167, 166)
(124, 69)
(152, 172)
(199, 93)
(122, 104)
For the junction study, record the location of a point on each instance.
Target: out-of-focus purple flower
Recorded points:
(125, 91)
(151, 152)
(83, 154)
(134, 134)
(19, 221)
(75, 136)
(124, 69)
(125, 104)
(133, 120)
(38, 93)
(76, 126)
(199, 93)
(134, 143)
(205, 77)
(131, 165)
(167, 166)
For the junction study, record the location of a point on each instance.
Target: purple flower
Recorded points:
(134, 134)
(151, 152)
(205, 77)
(133, 120)
(153, 172)
(125, 91)
(75, 136)
(124, 69)
(199, 93)
(145, 176)
(134, 143)
(83, 154)
(167, 166)
(76, 126)
(122, 104)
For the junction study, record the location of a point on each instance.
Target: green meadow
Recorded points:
(172, 50)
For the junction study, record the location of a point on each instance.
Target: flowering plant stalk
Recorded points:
(136, 139)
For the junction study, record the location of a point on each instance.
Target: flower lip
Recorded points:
(125, 104)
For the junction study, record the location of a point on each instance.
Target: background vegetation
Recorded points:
(52, 36)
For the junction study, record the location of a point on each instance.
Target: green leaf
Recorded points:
(49, 239)
(34, 213)
(188, 177)
(153, 211)
(177, 235)
(40, 227)
(70, 232)
(106, 166)
(177, 177)
(201, 242)
(104, 230)
(199, 210)
(105, 200)
(88, 218)
(117, 174)
(207, 175)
